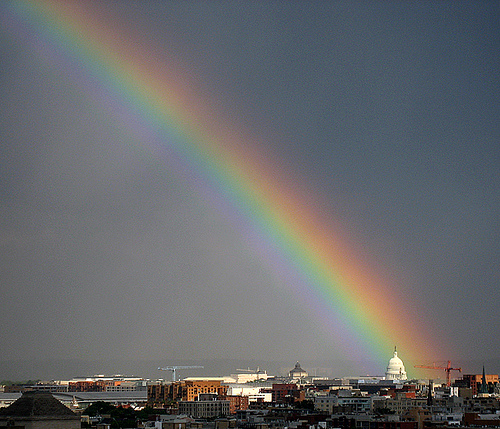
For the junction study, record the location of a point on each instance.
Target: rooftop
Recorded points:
(36, 404)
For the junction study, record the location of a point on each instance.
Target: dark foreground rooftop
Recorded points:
(37, 404)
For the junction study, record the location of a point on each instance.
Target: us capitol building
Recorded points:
(395, 368)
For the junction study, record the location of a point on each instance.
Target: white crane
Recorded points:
(174, 368)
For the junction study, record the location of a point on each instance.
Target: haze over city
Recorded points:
(122, 250)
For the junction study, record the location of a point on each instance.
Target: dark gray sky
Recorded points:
(387, 111)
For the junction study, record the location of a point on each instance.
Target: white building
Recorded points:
(250, 376)
(395, 368)
(252, 390)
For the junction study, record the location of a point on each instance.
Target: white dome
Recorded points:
(395, 368)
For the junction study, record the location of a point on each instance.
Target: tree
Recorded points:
(99, 408)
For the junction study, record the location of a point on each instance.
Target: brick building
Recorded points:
(286, 393)
(474, 381)
(237, 403)
(87, 386)
(161, 394)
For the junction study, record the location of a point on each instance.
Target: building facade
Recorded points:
(204, 409)
(474, 381)
(160, 394)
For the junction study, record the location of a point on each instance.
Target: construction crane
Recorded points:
(446, 368)
(174, 368)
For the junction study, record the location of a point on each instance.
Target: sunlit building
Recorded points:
(395, 368)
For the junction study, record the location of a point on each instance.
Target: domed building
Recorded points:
(395, 368)
(297, 372)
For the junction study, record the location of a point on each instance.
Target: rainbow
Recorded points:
(155, 96)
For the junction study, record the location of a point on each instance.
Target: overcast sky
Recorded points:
(388, 112)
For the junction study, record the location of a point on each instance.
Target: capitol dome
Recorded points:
(395, 368)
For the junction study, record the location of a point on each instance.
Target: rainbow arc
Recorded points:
(312, 255)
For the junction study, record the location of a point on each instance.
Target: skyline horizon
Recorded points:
(68, 368)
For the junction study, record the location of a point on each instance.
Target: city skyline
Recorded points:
(250, 181)
(224, 370)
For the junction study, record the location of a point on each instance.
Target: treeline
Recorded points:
(18, 383)
(118, 416)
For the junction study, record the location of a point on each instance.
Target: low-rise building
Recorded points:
(401, 404)
(286, 393)
(161, 393)
(474, 381)
(204, 409)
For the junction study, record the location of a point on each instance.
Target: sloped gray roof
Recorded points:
(37, 404)
(297, 369)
